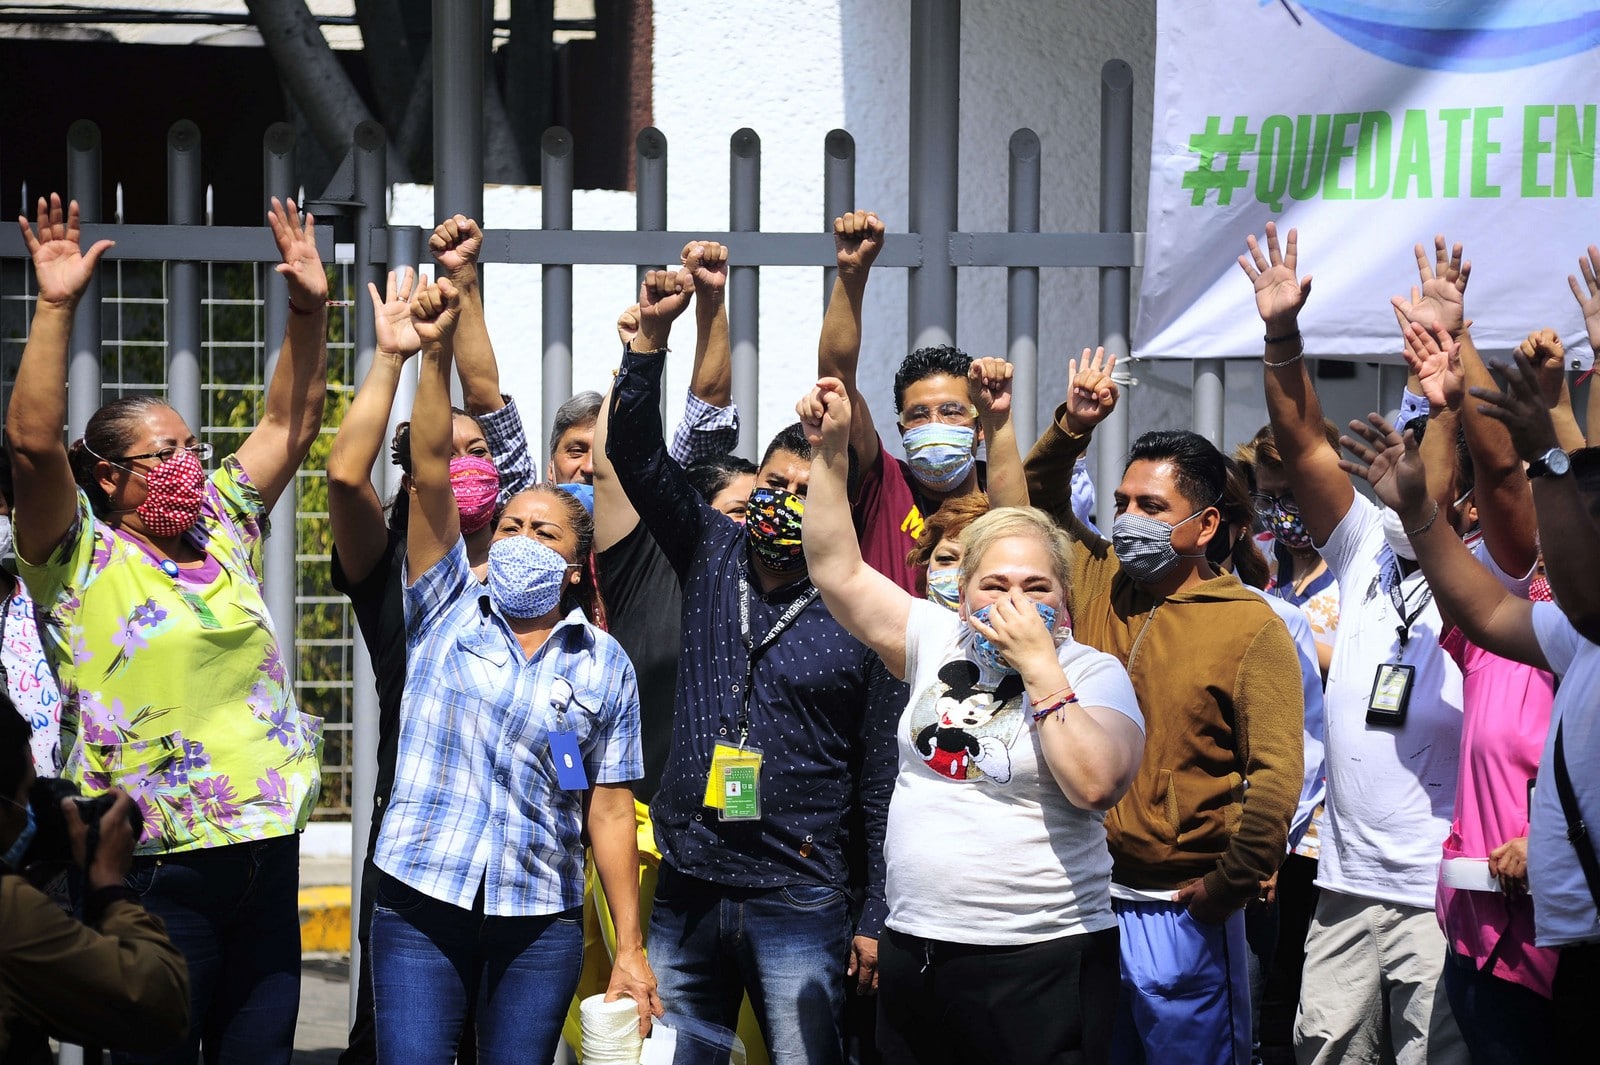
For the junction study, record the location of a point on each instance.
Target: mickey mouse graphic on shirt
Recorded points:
(964, 732)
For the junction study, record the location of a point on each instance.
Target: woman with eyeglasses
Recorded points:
(174, 685)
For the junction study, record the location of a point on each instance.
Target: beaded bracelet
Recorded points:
(1042, 712)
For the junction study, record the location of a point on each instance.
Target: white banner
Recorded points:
(1369, 126)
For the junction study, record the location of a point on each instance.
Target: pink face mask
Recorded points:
(174, 492)
(476, 484)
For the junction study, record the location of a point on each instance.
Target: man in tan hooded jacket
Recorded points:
(1218, 679)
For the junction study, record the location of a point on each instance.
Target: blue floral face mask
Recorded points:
(988, 654)
(940, 455)
(525, 577)
(944, 587)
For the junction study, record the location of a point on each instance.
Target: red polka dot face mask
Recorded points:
(174, 492)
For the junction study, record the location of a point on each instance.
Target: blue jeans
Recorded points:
(234, 912)
(1185, 992)
(1502, 1023)
(787, 947)
(430, 960)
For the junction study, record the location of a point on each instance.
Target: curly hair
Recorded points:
(928, 362)
(946, 523)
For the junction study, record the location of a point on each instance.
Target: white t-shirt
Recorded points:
(982, 846)
(1563, 910)
(1391, 791)
(1312, 785)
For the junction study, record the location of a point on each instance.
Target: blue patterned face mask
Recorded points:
(988, 654)
(525, 577)
(944, 587)
(940, 455)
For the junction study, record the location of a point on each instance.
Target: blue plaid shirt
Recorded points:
(508, 443)
(705, 432)
(476, 800)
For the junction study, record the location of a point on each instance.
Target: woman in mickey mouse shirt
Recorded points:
(1001, 942)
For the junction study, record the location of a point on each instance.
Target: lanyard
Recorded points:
(754, 650)
(1391, 576)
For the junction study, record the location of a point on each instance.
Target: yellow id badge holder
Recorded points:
(733, 787)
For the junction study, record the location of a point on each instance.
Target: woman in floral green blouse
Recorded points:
(174, 687)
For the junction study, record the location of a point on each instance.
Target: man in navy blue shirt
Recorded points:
(783, 729)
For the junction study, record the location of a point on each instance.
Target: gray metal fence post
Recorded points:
(1022, 289)
(367, 149)
(83, 369)
(280, 549)
(1116, 216)
(185, 207)
(744, 288)
(838, 190)
(1391, 383)
(1210, 392)
(555, 199)
(650, 180)
(934, 168)
(459, 46)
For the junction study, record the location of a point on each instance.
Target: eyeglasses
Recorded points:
(1266, 504)
(201, 451)
(944, 413)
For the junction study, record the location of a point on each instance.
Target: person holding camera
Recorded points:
(113, 980)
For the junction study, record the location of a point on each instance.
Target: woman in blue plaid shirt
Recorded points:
(519, 731)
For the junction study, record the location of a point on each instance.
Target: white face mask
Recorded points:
(1394, 534)
(7, 548)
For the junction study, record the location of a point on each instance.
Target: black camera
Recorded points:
(51, 843)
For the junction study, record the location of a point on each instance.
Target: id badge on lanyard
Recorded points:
(1390, 698)
(564, 752)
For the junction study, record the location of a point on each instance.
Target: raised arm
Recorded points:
(455, 245)
(869, 605)
(435, 523)
(274, 450)
(614, 516)
(655, 485)
(1312, 467)
(1435, 362)
(42, 475)
(858, 237)
(354, 509)
(711, 380)
(1490, 616)
(1543, 348)
(1568, 534)
(989, 385)
(1091, 396)
(1588, 297)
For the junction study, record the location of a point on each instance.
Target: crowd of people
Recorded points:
(906, 757)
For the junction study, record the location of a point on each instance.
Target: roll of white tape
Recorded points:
(1468, 874)
(610, 1031)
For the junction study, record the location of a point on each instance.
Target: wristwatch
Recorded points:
(1554, 462)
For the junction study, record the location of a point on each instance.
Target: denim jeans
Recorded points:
(234, 912)
(431, 959)
(1502, 1023)
(787, 947)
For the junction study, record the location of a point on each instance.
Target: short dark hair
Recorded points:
(582, 409)
(1201, 469)
(110, 432)
(15, 756)
(790, 438)
(712, 474)
(928, 362)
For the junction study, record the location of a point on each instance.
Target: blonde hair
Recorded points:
(1003, 523)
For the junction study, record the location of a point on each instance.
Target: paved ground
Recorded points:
(324, 1009)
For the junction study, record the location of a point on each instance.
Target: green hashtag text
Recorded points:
(1207, 174)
